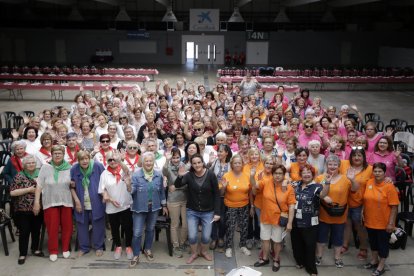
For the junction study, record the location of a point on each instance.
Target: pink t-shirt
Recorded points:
(305, 139)
(373, 141)
(388, 159)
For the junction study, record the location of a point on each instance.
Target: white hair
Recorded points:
(148, 154)
(19, 143)
(28, 158)
(314, 142)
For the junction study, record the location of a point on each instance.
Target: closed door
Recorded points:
(257, 52)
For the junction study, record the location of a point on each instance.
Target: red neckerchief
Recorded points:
(132, 165)
(72, 157)
(17, 162)
(104, 155)
(116, 172)
(45, 152)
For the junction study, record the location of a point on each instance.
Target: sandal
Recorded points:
(274, 267)
(206, 256)
(370, 266)
(261, 262)
(192, 258)
(363, 254)
(134, 261)
(344, 250)
(378, 272)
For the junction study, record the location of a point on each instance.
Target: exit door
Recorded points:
(208, 49)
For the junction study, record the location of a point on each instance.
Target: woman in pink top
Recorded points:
(384, 153)
(308, 134)
(372, 135)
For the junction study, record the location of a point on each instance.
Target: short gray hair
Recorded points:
(333, 158)
(19, 143)
(148, 154)
(314, 142)
(28, 158)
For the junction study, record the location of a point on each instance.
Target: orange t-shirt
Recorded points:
(246, 171)
(270, 212)
(295, 171)
(338, 192)
(258, 199)
(237, 191)
(355, 199)
(378, 199)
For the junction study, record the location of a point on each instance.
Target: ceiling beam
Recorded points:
(348, 3)
(296, 3)
(109, 2)
(13, 1)
(59, 2)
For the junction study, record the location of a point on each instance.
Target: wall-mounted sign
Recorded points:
(204, 19)
(138, 35)
(253, 35)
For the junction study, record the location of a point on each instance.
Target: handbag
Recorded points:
(284, 217)
(334, 209)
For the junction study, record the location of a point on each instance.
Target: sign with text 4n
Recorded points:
(204, 20)
(257, 35)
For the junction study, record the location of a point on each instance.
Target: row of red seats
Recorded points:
(318, 72)
(51, 70)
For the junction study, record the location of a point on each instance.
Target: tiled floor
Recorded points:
(389, 104)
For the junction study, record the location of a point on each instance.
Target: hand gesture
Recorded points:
(143, 149)
(328, 178)
(157, 83)
(181, 170)
(397, 152)
(353, 107)
(333, 144)
(15, 134)
(26, 120)
(351, 174)
(211, 157)
(168, 155)
(389, 132)
(184, 80)
(260, 176)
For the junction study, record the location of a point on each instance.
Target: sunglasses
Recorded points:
(198, 129)
(308, 126)
(105, 141)
(111, 160)
(133, 148)
(358, 147)
(123, 117)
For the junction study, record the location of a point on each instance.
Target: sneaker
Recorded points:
(339, 263)
(134, 261)
(117, 253)
(245, 251)
(318, 260)
(249, 244)
(129, 253)
(229, 253)
(53, 257)
(66, 254)
(177, 252)
(149, 255)
(371, 266)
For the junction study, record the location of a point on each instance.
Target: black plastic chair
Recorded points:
(409, 128)
(401, 184)
(164, 222)
(373, 117)
(6, 133)
(27, 113)
(3, 224)
(399, 124)
(15, 122)
(6, 144)
(408, 219)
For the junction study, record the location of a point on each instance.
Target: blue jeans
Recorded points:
(140, 220)
(194, 218)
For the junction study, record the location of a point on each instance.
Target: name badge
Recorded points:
(299, 213)
(314, 221)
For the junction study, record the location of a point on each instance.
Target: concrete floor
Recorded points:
(389, 104)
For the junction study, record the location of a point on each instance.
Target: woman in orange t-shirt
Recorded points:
(254, 162)
(278, 199)
(237, 188)
(302, 155)
(363, 172)
(340, 187)
(380, 210)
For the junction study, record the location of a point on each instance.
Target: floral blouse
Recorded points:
(23, 203)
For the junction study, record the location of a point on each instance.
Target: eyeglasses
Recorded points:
(105, 141)
(124, 117)
(308, 126)
(198, 129)
(111, 160)
(358, 147)
(133, 148)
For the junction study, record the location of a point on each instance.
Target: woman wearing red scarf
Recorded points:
(14, 165)
(104, 149)
(44, 155)
(72, 148)
(131, 156)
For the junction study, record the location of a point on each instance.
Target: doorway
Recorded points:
(189, 53)
(203, 49)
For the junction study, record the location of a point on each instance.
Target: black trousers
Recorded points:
(253, 230)
(304, 246)
(28, 224)
(124, 219)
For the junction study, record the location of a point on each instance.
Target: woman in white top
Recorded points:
(131, 156)
(44, 155)
(102, 127)
(113, 187)
(113, 135)
(30, 137)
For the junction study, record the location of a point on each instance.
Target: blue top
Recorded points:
(140, 191)
(98, 207)
(308, 204)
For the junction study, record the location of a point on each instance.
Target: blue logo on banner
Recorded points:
(204, 16)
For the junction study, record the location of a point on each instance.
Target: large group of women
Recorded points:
(215, 162)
